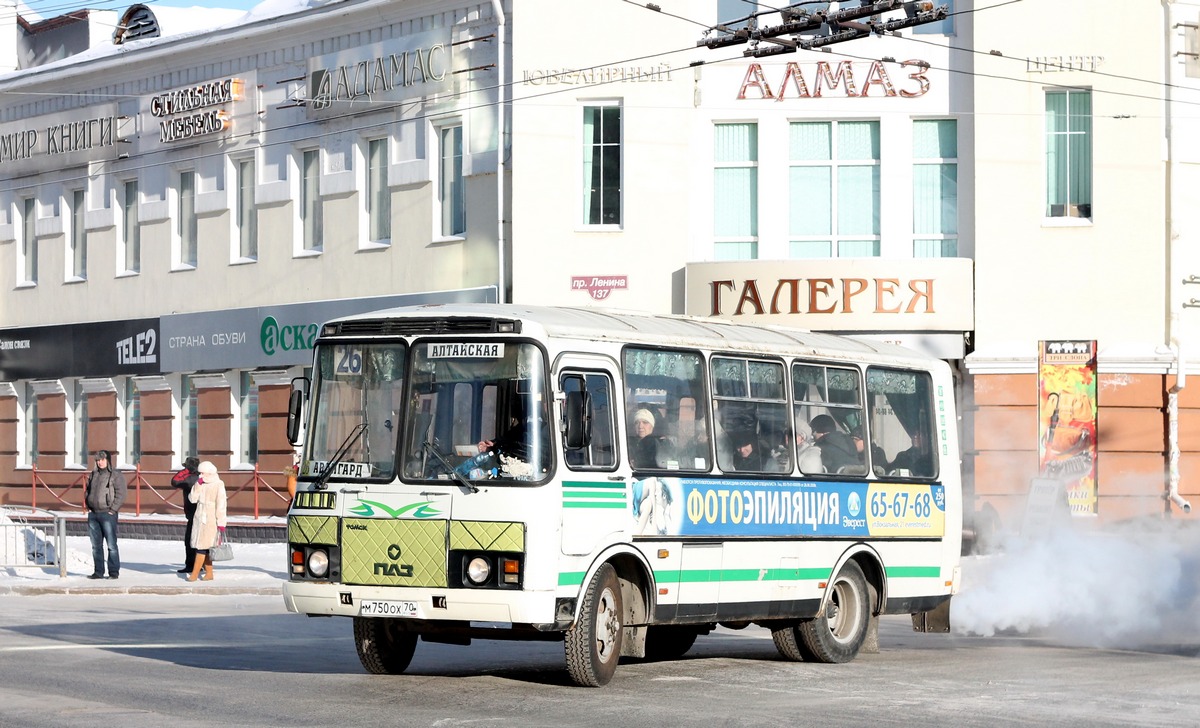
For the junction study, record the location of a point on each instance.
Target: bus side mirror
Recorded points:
(578, 411)
(295, 413)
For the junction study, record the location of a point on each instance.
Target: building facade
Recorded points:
(178, 213)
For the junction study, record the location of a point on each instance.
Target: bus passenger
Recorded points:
(916, 460)
(808, 455)
(643, 448)
(837, 448)
(746, 454)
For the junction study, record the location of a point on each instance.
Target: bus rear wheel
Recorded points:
(838, 633)
(383, 648)
(593, 645)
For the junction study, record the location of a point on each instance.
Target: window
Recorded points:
(79, 412)
(131, 231)
(903, 434)
(185, 224)
(735, 191)
(247, 215)
(77, 256)
(941, 27)
(310, 200)
(451, 195)
(379, 196)
(248, 411)
(29, 412)
(750, 409)
(666, 391)
(600, 453)
(29, 248)
(828, 405)
(602, 165)
(834, 189)
(1069, 153)
(935, 188)
(131, 402)
(188, 418)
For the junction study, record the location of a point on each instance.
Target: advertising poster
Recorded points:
(787, 508)
(1067, 419)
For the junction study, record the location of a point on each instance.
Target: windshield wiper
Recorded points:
(431, 449)
(320, 482)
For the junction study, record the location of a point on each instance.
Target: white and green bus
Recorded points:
(621, 482)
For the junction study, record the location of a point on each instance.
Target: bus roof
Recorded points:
(638, 327)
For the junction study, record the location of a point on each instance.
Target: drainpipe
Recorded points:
(501, 258)
(1173, 268)
(1173, 425)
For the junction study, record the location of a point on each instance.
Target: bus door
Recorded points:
(595, 483)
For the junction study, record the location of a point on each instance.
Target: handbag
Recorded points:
(223, 551)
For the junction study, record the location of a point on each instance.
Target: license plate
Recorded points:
(387, 608)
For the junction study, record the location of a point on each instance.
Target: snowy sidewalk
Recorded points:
(148, 567)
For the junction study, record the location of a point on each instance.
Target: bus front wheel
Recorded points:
(593, 645)
(383, 648)
(838, 632)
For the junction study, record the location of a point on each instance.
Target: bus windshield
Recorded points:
(357, 393)
(477, 411)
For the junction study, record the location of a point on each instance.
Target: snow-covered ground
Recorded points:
(145, 564)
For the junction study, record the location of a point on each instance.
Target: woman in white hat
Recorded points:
(209, 526)
(643, 448)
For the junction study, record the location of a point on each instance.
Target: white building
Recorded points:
(197, 203)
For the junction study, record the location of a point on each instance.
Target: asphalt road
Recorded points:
(242, 660)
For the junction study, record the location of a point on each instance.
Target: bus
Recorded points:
(620, 482)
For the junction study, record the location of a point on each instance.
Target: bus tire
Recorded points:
(669, 642)
(788, 643)
(383, 648)
(837, 634)
(593, 645)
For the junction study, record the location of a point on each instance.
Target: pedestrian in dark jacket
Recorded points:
(838, 450)
(104, 496)
(184, 480)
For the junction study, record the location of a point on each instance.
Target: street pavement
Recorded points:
(149, 567)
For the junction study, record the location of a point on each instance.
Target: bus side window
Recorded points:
(600, 452)
(902, 423)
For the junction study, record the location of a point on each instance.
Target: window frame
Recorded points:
(27, 252)
(75, 201)
(747, 399)
(590, 169)
(244, 242)
(130, 240)
(186, 236)
(248, 439)
(309, 207)
(130, 444)
(377, 191)
(450, 216)
(948, 243)
(739, 247)
(836, 163)
(1084, 217)
(187, 406)
(589, 377)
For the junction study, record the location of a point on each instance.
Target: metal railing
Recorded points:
(67, 488)
(24, 541)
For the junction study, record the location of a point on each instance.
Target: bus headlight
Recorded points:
(478, 570)
(318, 563)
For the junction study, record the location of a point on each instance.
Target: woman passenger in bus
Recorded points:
(643, 447)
